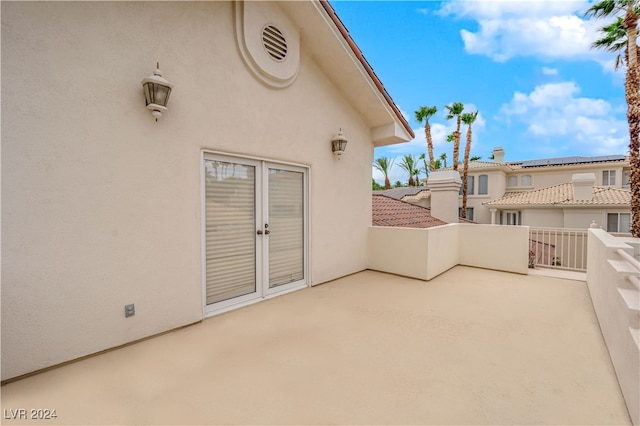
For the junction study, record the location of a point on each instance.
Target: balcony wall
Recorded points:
(426, 253)
(617, 302)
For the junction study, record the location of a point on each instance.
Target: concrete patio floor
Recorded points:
(471, 346)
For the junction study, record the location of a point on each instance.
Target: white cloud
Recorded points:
(549, 29)
(555, 110)
(549, 71)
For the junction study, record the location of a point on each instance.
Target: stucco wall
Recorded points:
(401, 251)
(504, 248)
(608, 287)
(544, 178)
(102, 204)
(443, 249)
(426, 253)
(547, 218)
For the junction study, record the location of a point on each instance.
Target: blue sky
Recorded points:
(526, 66)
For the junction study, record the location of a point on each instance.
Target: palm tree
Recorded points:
(384, 164)
(425, 113)
(475, 158)
(438, 164)
(427, 168)
(443, 158)
(614, 40)
(455, 110)
(632, 84)
(468, 119)
(408, 163)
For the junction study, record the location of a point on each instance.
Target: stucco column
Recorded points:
(493, 216)
(445, 188)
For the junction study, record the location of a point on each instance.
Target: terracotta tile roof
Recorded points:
(562, 195)
(391, 212)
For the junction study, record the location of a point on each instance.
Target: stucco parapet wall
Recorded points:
(616, 303)
(427, 253)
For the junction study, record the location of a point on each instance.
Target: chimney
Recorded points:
(498, 154)
(445, 189)
(583, 186)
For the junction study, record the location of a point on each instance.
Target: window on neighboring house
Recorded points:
(525, 180)
(619, 222)
(512, 218)
(512, 181)
(608, 178)
(483, 185)
(626, 179)
(469, 213)
(469, 186)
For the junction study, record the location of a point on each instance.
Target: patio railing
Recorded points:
(559, 248)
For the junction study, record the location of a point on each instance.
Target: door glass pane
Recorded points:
(286, 226)
(230, 230)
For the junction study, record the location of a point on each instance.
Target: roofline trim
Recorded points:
(360, 56)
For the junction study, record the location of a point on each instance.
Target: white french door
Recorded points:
(255, 223)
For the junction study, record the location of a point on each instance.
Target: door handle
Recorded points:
(259, 232)
(267, 232)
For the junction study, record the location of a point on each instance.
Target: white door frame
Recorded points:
(262, 256)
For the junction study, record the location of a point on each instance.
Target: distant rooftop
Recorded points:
(562, 161)
(399, 193)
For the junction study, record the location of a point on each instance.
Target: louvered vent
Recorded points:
(274, 42)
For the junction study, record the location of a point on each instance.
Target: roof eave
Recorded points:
(398, 129)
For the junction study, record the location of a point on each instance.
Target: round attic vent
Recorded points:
(274, 42)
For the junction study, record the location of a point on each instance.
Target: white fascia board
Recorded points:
(389, 134)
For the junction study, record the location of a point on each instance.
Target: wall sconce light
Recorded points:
(339, 144)
(156, 92)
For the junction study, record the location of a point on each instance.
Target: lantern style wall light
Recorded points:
(339, 144)
(156, 92)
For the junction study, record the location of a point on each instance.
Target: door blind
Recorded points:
(286, 240)
(230, 230)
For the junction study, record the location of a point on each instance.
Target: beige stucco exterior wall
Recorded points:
(541, 178)
(102, 205)
(574, 218)
(496, 188)
(545, 218)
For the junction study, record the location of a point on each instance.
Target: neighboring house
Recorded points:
(209, 208)
(492, 183)
(388, 211)
(562, 206)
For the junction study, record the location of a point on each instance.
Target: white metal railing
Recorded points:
(558, 248)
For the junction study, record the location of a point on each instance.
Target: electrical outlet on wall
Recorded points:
(129, 310)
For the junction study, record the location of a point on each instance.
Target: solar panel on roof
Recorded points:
(571, 160)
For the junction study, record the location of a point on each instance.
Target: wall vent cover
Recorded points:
(274, 42)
